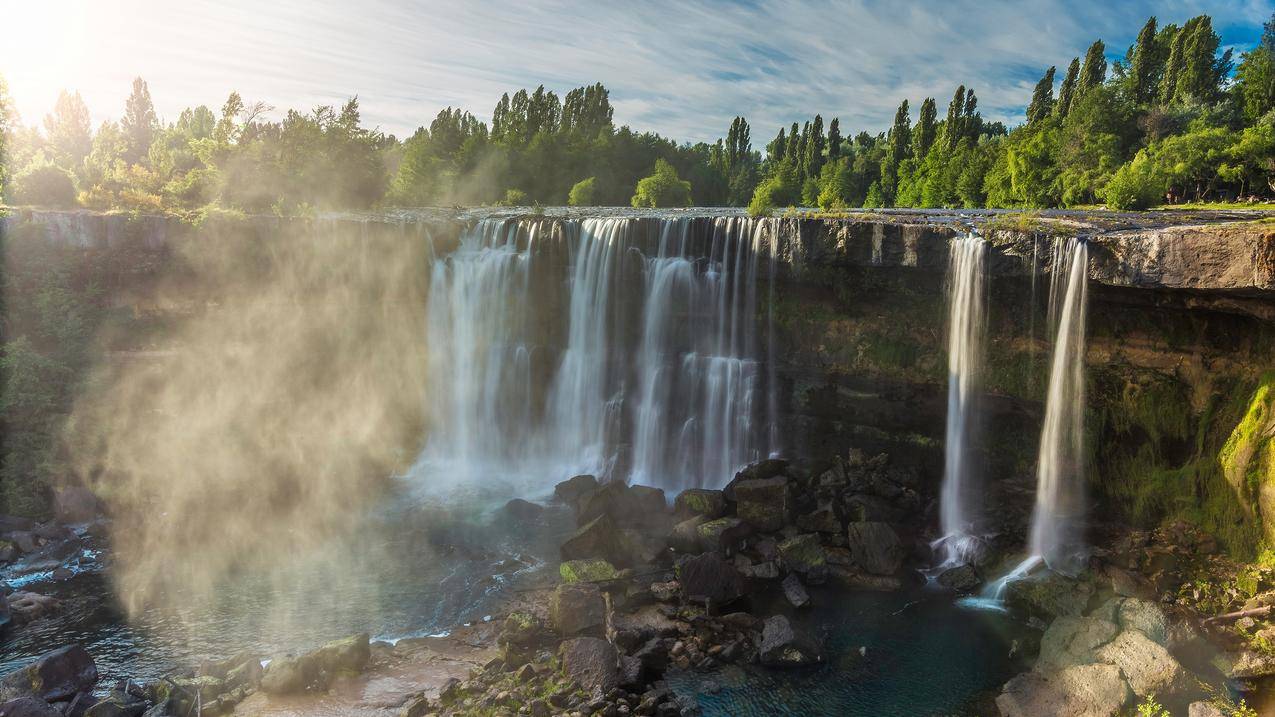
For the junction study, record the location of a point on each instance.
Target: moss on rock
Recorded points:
(589, 571)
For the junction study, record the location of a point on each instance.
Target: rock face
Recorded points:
(1047, 595)
(961, 578)
(700, 501)
(593, 663)
(570, 490)
(875, 547)
(1080, 691)
(708, 577)
(598, 538)
(57, 675)
(783, 645)
(765, 503)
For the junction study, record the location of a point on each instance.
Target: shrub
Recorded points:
(514, 198)
(662, 189)
(1136, 185)
(44, 185)
(583, 192)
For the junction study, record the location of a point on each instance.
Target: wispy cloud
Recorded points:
(679, 68)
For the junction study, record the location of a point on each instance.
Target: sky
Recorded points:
(682, 68)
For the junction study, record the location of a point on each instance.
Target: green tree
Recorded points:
(1146, 63)
(1255, 76)
(926, 127)
(44, 185)
(1135, 185)
(67, 127)
(1068, 90)
(139, 122)
(955, 111)
(1094, 72)
(583, 192)
(1042, 103)
(662, 189)
(834, 139)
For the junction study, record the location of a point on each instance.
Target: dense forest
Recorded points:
(1175, 120)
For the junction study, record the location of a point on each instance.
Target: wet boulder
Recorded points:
(803, 554)
(725, 534)
(287, 676)
(700, 501)
(635, 506)
(764, 503)
(962, 578)
(591, 662)
(598, 538)
(761, 470)
(577, 608)
(685, 537)
(28, 707)
(875, 548)
(347, 655)
(117, 704)
(1047, 595)
(823, 519)
(1078, 691)
(784, 645)
(523, 512)
(795, 592)
(709, 578)
(56, 675)
(570, 490)
(587, 571)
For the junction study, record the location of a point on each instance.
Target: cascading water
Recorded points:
(1057, 519)
(1059, 511)
(967, 323)
(620, 347)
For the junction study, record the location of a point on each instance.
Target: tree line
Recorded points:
(1176, 119)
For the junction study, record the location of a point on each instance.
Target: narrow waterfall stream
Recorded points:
(1057, 519)
(967, 324)
(618, 347)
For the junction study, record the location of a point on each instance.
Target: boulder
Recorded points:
(802, 553)
(598, 538)
(1073, 640)
(1080, 691)
(685, 536)
(822, 520)
(347, 655)
(1047, 595)
(962, 578)
(523, 512)
(116, 704)
(26, 606)
(287, 676)
(54, 676)
(629, 506)
(591, 662)
(724, 534)
(783, 645)
(1148, 667)
(570, 490)
(577, 608)
(700, 501)
(875, 547)
(766, 570)
(1144, 616)
(766, 504)
(761, 470)
(852, 579)
(709, 578)
(28, 707)
(1252, 665)
(795, 592)
(1204, 709)
(589, 571)
(862, 508)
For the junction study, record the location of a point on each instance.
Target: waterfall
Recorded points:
(1058, 517)
(1059, 513)
(967, 324)
(629, 348)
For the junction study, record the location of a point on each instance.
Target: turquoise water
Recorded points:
(921, 655)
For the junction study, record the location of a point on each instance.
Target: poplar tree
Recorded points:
(900, 135)
(1067, 92)
(1094, 71)
(955, 111)
(926, 127)
(834, 140)
(1144, 61)
(1172, 68)
(1042, 98)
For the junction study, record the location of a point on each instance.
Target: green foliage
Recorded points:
(583, 192)
(778, 190)
(1148, 707)
(662, 189)
(1135, 185)
(44, 185)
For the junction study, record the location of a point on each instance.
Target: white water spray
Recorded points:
(967, 324)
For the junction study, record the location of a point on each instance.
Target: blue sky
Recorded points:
(682, 68)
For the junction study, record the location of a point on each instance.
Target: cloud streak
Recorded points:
(680, 68)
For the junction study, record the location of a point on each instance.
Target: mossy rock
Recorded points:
(802, 553)
(588, 571)
(1247, 458)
